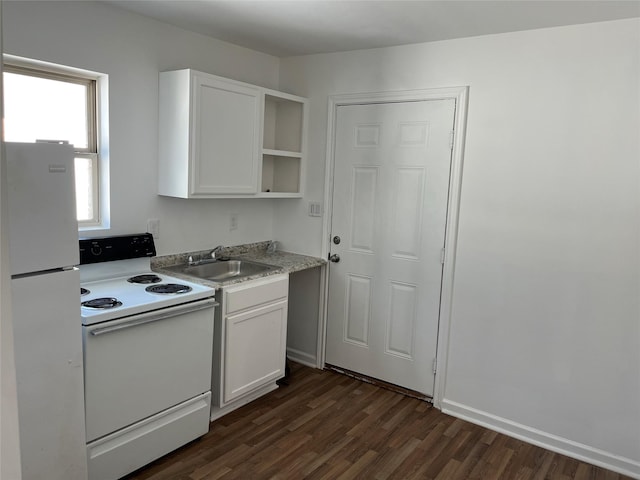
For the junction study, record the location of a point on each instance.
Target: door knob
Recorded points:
(335, 258)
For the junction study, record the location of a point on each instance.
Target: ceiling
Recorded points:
(301, 27)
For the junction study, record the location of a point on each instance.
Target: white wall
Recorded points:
(132, 49)
(545, 338)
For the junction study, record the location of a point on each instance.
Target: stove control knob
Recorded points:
(96, 250)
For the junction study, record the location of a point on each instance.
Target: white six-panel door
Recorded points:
(390, 193)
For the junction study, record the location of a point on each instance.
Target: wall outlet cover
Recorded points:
(315, 209)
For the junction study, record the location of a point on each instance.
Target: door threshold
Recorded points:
(379, 383)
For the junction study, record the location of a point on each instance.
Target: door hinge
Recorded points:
(451, 138)
(435, 365)
(442, 255)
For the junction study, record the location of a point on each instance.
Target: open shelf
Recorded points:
(282, 153)
(280, 174)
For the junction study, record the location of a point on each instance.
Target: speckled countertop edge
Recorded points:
(285, 262)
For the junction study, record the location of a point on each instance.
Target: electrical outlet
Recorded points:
(153, 227)
(233, 221)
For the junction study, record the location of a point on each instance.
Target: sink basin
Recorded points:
(219, 270)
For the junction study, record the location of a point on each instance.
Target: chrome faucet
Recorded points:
(215, 251)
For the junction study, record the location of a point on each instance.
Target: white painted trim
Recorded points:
(460, 95)
(450, 244)
(217, 412)
(304, 358)
(561, 445)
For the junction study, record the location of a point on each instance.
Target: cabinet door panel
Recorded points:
(255, 349)
(226, 138)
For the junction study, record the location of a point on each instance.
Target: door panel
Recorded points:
(255, 349)
(226, 139)
(401, 320)
(391, 179)
(365, 182)
(40, 181)
(134, 372)
(48, 356)
(358, 311)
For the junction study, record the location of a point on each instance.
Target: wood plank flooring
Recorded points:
(333, 427)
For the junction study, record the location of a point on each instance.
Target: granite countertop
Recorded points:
(284, 261)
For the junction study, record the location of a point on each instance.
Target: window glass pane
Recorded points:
(41, 108)
(84, 188)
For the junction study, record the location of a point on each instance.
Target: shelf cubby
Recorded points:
(283, 145)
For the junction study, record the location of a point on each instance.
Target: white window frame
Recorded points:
(96, 150)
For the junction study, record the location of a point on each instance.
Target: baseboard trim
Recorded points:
(302, 357)
(542, 439)
(217, 412)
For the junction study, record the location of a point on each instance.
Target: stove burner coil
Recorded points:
(84, 291)
(145, 279)
(103, 303)
(168, 288)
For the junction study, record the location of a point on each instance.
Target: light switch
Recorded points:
(315, 209)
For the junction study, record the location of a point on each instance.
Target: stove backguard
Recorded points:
(121, 247)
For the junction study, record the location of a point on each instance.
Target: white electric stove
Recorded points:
(147, 347)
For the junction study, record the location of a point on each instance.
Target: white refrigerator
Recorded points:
(44, 253)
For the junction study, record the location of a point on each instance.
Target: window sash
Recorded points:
(90, 85)
(93, 196)
(91, 151)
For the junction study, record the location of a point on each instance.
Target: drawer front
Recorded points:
(120, 453)
(254, 293)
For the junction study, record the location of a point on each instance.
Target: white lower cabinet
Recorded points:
(250, 341)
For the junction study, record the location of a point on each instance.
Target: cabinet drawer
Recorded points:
(254, 293)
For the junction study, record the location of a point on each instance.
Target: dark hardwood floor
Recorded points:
(329, 426)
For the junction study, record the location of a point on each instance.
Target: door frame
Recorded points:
(460, 95)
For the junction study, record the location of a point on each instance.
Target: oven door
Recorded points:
(141, 365)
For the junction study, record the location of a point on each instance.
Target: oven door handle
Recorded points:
(154, 317)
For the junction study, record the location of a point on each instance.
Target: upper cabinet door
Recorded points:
(225, 141)
(209, 136)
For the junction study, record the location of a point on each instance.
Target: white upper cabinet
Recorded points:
(223, 138)
(209, 135)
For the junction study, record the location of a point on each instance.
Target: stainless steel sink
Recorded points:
(221, 270)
